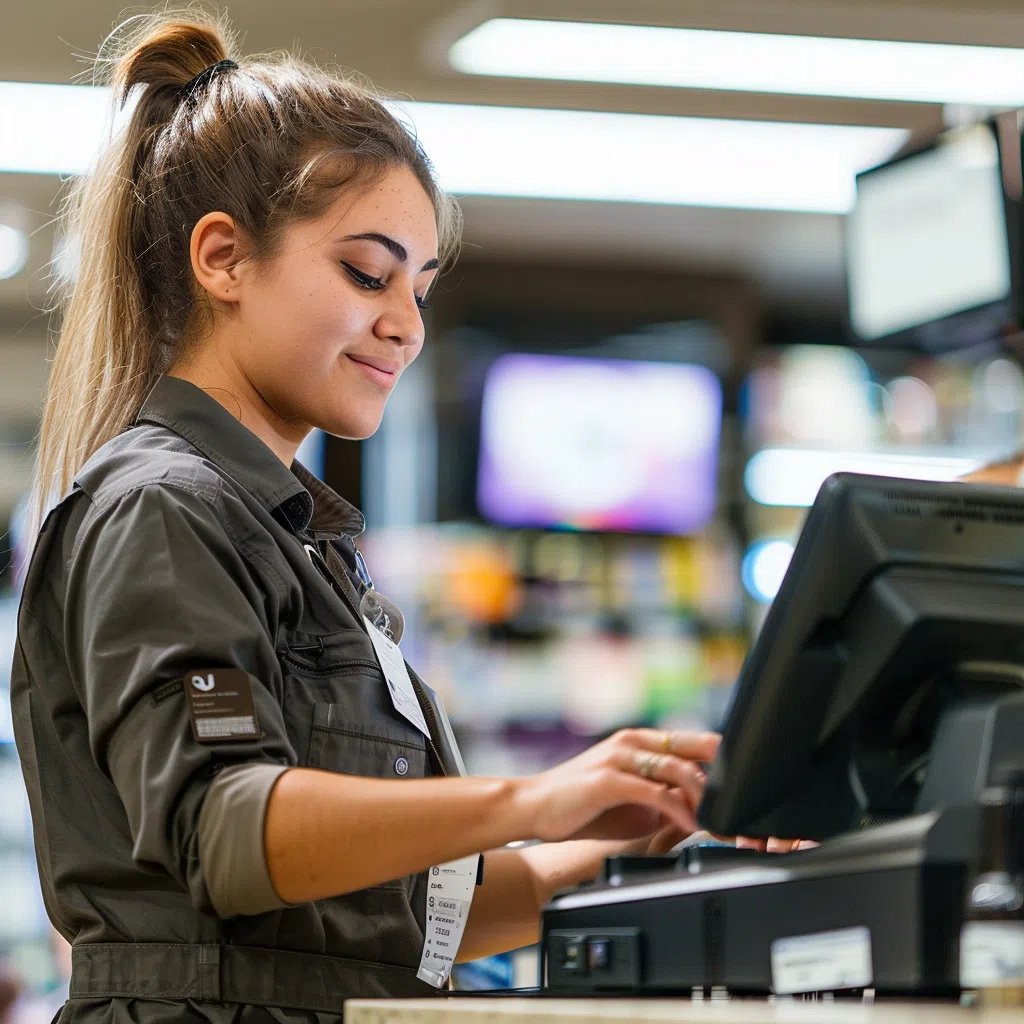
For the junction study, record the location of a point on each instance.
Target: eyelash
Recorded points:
(373, 284)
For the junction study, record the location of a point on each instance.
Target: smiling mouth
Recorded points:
(377, 374)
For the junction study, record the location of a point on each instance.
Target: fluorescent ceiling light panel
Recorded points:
(642, 158)
(51, 129)
(525, 151)
(791, 477)
(743, 61)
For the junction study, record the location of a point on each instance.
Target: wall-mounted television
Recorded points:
(931, 243)
(599, 444)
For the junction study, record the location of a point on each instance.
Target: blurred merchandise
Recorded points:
(992, 934)
(812, 410)
(541, 642)
(518, 968)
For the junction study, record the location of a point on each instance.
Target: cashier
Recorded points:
(246, 807)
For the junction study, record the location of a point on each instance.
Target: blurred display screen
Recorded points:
(927, 238)
(599, 444)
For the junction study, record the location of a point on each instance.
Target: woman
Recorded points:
(238, 813)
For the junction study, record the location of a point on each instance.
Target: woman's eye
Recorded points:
(373, 284)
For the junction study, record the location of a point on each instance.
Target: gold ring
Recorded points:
(649, 766)
(667, 743)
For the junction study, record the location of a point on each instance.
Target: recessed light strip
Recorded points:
(791, 477)
(986, 76)
(532, 152)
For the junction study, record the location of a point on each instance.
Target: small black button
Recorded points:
(401, 766)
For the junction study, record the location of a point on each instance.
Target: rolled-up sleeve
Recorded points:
(156, 588)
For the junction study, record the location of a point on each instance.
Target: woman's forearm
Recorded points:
(557, 866)
(327, 834)
(518, 882)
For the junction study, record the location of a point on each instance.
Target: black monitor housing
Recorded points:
(892, 653)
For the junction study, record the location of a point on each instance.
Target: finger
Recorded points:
(666, 769)
(626, 788)
(746, 843)
(678, 810)
(693, 746)
(664, 840)
(631, 821)
(683, 775)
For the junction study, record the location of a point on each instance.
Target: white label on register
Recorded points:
(822, 962)
(449, 895)
(397, 675)
(991, 953)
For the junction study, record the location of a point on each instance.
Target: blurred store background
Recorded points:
(666, 329)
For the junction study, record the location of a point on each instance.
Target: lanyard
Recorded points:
(384, 614)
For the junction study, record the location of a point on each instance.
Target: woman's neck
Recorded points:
(227, 384)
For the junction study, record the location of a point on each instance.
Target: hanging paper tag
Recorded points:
(449, 896)
(450, 889)
(397, 676)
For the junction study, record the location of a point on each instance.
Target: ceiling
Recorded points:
(795, 259)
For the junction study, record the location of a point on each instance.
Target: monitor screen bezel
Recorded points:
(983, 324)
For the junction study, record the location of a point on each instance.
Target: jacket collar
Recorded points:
(296, 498)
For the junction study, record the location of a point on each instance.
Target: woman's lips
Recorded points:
(380, 371)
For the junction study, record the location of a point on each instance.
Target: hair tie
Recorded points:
(204, 76)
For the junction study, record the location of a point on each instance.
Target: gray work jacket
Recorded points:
(181, 547)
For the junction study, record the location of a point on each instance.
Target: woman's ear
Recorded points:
(215, 250)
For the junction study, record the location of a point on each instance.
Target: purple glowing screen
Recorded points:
(599, 444)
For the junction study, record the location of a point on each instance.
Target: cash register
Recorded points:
(883, 694)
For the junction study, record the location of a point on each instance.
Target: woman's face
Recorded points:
(325, 330)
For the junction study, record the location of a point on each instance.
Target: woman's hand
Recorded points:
(775, 845)
(633, 784)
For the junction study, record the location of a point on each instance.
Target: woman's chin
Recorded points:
(354, 428)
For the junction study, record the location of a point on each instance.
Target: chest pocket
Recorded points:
(339, 712)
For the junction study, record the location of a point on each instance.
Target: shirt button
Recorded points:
(401, 766)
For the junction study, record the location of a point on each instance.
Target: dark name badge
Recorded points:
(220, 705)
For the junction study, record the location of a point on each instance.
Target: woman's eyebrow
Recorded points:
(395, 248)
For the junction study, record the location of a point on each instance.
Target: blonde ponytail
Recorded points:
(107, 359)
(267, 140)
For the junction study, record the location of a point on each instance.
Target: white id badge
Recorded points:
(449, 886)
(449, 896)
(397, 675)
(450, 889)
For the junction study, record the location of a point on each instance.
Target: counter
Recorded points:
(480, 1010)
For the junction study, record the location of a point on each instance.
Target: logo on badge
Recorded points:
(206, 684)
